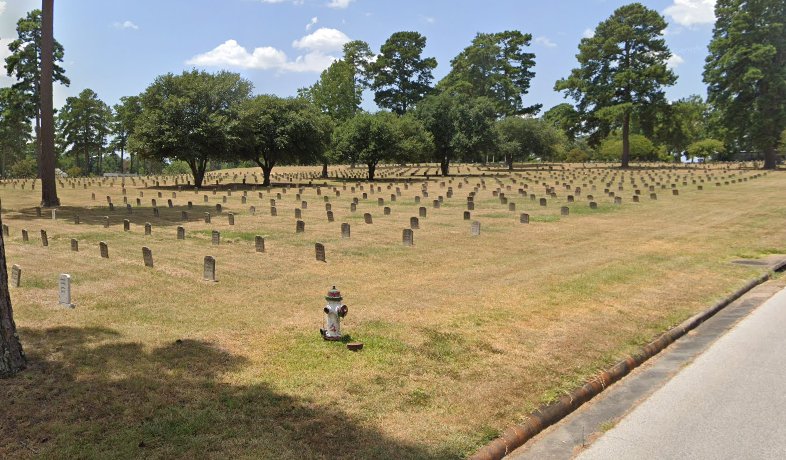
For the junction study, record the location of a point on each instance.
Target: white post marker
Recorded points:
(65, 291)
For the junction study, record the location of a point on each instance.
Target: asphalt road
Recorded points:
(729, 403)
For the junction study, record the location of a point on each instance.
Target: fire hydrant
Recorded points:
(334, 311)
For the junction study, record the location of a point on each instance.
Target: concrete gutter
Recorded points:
(549, 414)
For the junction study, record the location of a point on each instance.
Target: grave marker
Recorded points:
(215, 237)
(147, 256)
(16, 276)
(103, 249)
(475, 229)
(74, 245)
(408, 237)
(44, 238)
(259, 244)
(65, 291)
(126, 225)
(367, 218)
(209, 272)
(181, 233)
(148, 229)
(319, 248)
(300, 226)
(345, 230)
(25, 236)
(524, 218)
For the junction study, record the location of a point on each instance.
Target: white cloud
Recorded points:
(323, 39)
(125, 25)
(315, 58)
(2, 7)
(428, 19)
(674, 61)
(340, 4)
(588, 33)
(692, 12)
(312, 23)
(545, 41)
(231, 54)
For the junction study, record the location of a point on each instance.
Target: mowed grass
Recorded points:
(463, 335)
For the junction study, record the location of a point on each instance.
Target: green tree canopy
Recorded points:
(522, 138)
(401, 77)
(565, 118)
(123, 123)
(274, 130)
(681, 123)
(14, 127)
(82, 125)
(24, 62)
(461, 126)
(191, 117)
(622, 70)
(746, 72)
(705, 149)
(641, 149)
(336, 93)
(379, 137)
(495, 66)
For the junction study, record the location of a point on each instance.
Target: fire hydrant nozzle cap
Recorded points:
(334, 294)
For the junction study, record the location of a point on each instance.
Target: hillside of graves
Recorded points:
(195, 322)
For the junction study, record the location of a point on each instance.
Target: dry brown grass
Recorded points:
(464, 335)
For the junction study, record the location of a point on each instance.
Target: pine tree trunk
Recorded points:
(12, 358)
(770, 158)
(324, 169)
(48, 182)
(625, 140)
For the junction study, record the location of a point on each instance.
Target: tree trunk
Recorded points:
(444, 165)
(510, 163)
(198, 170)
(48, 182)
(324, 169)
(122, 166)
(265, 175)
(12, 358)
(372, 167)
(625, 140)
(770, 158)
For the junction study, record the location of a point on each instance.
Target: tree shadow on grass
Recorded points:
(88, 394)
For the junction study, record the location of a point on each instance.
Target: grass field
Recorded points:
(463, 335)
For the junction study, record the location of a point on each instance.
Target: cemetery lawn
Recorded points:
(463, 335)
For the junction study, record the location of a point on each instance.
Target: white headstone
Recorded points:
(65, 291)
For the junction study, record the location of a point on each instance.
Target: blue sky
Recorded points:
(118, 47)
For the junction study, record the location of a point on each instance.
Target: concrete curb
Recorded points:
(515, 436)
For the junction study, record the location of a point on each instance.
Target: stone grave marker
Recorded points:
(148, 228)
(593, 205)
(103, 249)
(44, 238)
(367, 218)
(126, 225)
(408, 237)
(215, 237)
(298, 213)
(470, 205)
(207, 217)
(436, 204)
(147, 256)
(345, 230)
(414, 223)
(155, 212)
(386, 211)
(422, 211)
(543, 202)
(259, 244)
(231, 218)
(353, 207)
(190, 205)
(475, 228)
(564, 211)
(467, 215)
(181, 232)
(16, 276)
(330, 216)
(76, 219)
(65, 291)
(524, 218)
(319, 248)
(218, 208)
(25, 236)
(209, 272)
(511, 206)
(253, 210)
(54, 214)
(184, 215)
(74, 245)
(273, 211)
(300, 226)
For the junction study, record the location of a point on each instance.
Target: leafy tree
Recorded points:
(275, 130)
(497, 67)
(682, 123)
(26, 60)
(522, 138)
(706, 148)
(382, 136)
(641, 149)
(622, 70)
(459, 125)
(401, 77)
(336, 93)
(83, 124)
(123, 123)
(358, 54)
(191, 117)
(26, 167)
(14, 127)
(746, 72)
(565, 118)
